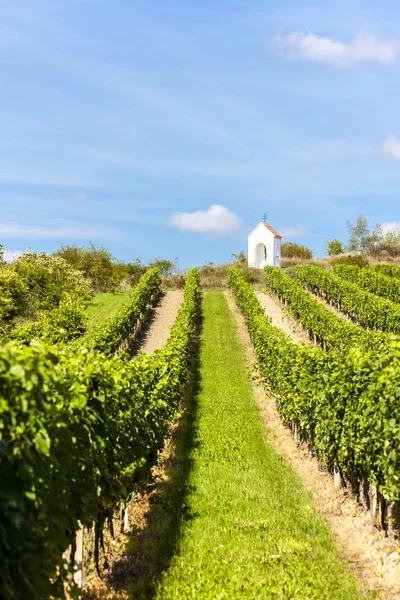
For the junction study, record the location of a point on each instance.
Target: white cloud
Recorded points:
(365, 47)
(391, 146)
(293, 232)
(11, 255)
(387, 227)
(217, 219)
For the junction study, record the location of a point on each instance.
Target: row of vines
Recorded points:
(79, 427)
(346, 404)
(329, 330)
(370, 280)
(366, 308)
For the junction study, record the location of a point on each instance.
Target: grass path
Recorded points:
(105, 305)
(249, 529)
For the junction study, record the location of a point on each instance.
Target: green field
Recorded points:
(105, 305)
(248, 528)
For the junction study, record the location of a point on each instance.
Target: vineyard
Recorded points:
(86, 418)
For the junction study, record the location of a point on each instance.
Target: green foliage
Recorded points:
(69, 321)
(346, 403)
(241, 257)
(371, 281)
(360, 237)
(248, 529)
(77, 431)
(109, 336)
(164, 265)
(358, 260)
(48, 279)
(334, 247)
(373, 240)
(13, 293)
(328, 328)
(292, 250)
(387, 270)
(367, 309)
(62, 324)
(134, 270)
(97, 265)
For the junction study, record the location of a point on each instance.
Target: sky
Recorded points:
(167, 128)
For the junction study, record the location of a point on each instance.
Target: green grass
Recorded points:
(105, 305)
(247, 528)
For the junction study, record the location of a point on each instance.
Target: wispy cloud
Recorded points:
(293, 232)
(391, 146)
(217, 219)
(388, 227)
(71, 230)
(11, 255)
(365, 47)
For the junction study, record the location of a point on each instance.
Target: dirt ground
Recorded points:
(280, 317)
(161, 321)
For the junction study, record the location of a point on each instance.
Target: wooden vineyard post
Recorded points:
(78, 558)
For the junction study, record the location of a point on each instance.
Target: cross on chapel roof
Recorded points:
(268, 226)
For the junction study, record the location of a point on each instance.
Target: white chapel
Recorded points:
(264, 246)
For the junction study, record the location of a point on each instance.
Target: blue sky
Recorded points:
(117, 116)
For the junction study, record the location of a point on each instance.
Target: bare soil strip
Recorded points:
(162, 319)
(280, 317)
(373, 557)
(322, 300)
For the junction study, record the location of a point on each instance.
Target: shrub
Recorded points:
(358, 260)
(292, 250)
(165, 266)
(13, 293)
(48, 279)
(96, 264)
(334, 247)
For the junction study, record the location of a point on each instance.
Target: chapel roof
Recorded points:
(268, 226)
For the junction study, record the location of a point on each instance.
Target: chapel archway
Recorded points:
(261, 256)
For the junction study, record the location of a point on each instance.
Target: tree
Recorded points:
(241, 257)
(361, 237)
(292, 250)
(48, 279)
(163, 264)
(334, 247)
(96, 264)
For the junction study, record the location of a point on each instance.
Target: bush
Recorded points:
(96, 264)
(164, 265)
(134, 270)
(358, 260)
(48, 280)
(174, 281)
(334, 247)
(13, 294)
(291, 250)
(384, 251)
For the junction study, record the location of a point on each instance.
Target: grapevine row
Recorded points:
(371, 281)
(363, 307)
(328, 329)
(108, 337)
(388, 270)
(346, 404)
(77, 430)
